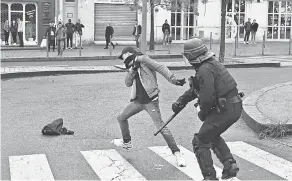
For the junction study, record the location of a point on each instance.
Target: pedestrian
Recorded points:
(78, 33)
(137, 32)
(254, 29)
(20, 31)
(51, 34)
(6, 31)
(214, 86)
(247, 28)
(69, 32)
(13, 30)
(109, 31)
(60, 37)
(166, 31)
(142, 78)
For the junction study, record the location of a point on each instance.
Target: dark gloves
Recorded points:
(201, 116)
(180, 82)
(177, 107)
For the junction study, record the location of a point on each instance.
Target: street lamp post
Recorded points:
(143, 43)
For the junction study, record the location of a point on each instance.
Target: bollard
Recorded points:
(210, 40)
(290, 41)
(235, 39)
(110, 45)
(79, 45)
(264, 41)
(168, 45)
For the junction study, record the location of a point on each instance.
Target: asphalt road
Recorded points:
(89, 105)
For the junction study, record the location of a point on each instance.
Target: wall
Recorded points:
(86, 14)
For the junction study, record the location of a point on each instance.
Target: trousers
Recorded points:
(153, 110)
(209, 137)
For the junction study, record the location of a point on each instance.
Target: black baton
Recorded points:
(171, 117)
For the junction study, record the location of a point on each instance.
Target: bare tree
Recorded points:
(165, 4)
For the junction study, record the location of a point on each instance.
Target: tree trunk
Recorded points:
(222, 36)
(152, 26)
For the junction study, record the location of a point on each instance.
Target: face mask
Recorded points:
(128, 60)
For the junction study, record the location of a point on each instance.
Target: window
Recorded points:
(30, 22)
(235, 18)
(279, 20)
(69, 1)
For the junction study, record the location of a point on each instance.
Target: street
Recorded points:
(89, 105)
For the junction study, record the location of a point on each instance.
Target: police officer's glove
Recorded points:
(177, 106)
(201, 116)
(180, 82)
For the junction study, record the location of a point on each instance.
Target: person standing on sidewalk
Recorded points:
(51, 34)
(60, 37)
(69, 32)
(20, 31)
(247, 28)
(254, 29)
(137, 32)
(166, 31)
(6, 31)
(13, 30)
(220, 107)
(109, 31)
(78, 33)
(142, 78)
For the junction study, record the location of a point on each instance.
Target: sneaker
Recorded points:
(179, 159)
(230, 170)
(243, 42)
(121, 143)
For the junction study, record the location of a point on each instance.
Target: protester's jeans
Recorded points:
(137, 37)
(69, 38)
(253, 35)
(20, 35)
(14, 37)
(153, 110)
(6, 33)
(165, 37)
(60, 46)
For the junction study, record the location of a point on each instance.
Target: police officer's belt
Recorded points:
(234, 99)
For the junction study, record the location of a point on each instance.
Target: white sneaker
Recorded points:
(121, 143)
(243, 42)
(179, 159)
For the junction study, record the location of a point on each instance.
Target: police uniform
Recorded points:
(211, 82)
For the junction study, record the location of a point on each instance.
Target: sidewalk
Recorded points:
(269, 106)
(98, 53)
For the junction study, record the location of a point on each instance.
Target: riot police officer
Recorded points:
(220, 107)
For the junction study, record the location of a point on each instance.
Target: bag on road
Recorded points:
(56, 128)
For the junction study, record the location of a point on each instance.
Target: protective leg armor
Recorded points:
(203, 154)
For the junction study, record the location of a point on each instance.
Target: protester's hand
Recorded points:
(180, 82)
(177, 106)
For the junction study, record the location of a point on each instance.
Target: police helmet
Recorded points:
(194, 48)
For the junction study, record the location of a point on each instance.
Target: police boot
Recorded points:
(205, 161)
(230, 169)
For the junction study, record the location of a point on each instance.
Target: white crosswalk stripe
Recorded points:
(30, 167)
(268, 161)
(192, 168)
(110, 165)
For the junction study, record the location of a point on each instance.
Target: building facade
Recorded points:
(273, 17)
(96, 14)
(35, 15)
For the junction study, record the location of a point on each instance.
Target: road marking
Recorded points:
(268, 161)
(30, 167)
(110, 165)
(192, 168)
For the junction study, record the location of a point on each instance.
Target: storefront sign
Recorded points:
(46, 13)
(111, 1)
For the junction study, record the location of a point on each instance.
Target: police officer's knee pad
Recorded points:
(198, 144)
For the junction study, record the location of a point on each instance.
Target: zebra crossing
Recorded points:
(109, 164)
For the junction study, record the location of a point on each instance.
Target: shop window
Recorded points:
(69, 1)
(279, 20)
(4, 19)
(16, 7)
(30, 22)
(235, 18)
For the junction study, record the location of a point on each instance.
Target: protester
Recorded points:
(6, 31)
(69, 32)
(166, 31)
(20, 31)
(254, 29)
(78, 33)
(144, 96)
(51, 34)
(137, 32)
(109, 31)
(247, 28)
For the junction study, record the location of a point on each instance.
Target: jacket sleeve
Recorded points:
(130, 77)
(153, 65)
(163, 27)
(187, 97)
(207, 90)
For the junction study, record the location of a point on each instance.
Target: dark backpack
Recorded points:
(56, 128)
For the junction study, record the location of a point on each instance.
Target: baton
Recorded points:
(171, 117)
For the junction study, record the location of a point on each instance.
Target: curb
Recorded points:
(106, 57)
(252, 116)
